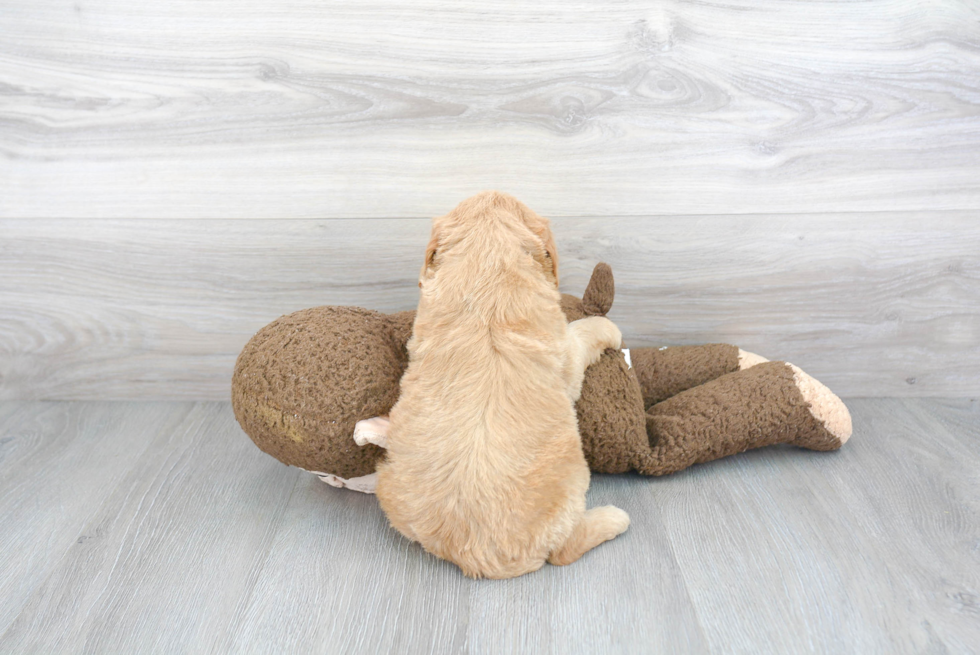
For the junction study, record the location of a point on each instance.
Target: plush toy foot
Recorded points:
(372, 430)
(365, 484)
(825, 406)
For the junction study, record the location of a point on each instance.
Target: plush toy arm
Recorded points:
(372, 430)
(770, 403)
(665, 372)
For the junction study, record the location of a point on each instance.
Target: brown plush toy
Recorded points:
(309, 383)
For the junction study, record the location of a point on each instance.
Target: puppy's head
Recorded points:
(491, 227)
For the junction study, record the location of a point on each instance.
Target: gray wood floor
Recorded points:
(158, 527)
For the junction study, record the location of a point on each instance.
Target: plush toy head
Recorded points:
(304, 380)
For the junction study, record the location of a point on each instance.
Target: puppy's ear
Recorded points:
(551, 255)
(430, 253)
(430, 258)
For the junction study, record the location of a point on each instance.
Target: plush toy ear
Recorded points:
(598, 296)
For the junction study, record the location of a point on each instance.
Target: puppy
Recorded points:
(484, 465)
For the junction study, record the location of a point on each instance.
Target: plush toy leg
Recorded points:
(665, 372)
(766, 404)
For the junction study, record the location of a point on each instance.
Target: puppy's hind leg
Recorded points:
(597, 525)
(588, 338)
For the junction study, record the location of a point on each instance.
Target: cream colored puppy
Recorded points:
(484, 465)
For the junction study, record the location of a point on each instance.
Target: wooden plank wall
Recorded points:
(802, 179)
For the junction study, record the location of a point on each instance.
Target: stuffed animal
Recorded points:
(310, 382)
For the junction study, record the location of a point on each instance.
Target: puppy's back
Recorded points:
(484, 467)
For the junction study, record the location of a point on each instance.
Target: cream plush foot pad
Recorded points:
(825, 406)
(748, 360)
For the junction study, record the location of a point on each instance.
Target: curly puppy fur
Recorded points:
(484, 465)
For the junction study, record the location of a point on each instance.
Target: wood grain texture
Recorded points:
(640, 603)
(252, 109)
(871, 304)
(58, 464)
(198, 542)
(870, 549)
(163, 563)
(366, 589)
(359, 589)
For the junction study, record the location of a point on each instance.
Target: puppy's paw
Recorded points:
(613, 520)
(748, 360)
(610, 335)
(596, 334)
(372, 430)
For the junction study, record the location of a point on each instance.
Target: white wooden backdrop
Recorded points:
(802, 179)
